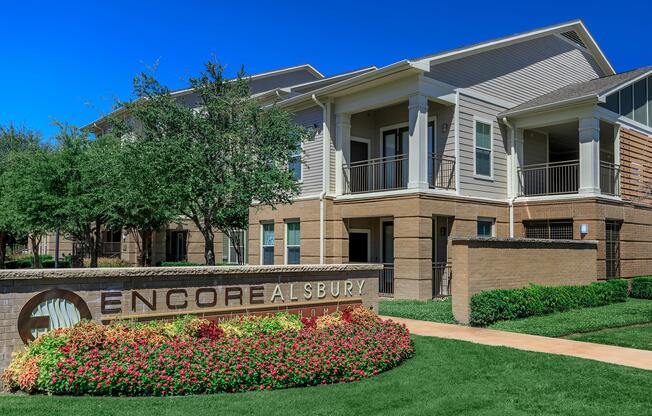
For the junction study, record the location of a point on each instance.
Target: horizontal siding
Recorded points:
(287, 79)
(520, 72)
(312, 150)
(470, 185)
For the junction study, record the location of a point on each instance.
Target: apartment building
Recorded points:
(532, 135)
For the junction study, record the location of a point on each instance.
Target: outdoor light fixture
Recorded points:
(584, 229)
(444, 127)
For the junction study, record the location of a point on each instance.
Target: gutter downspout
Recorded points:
(325, 140)
(512, 197)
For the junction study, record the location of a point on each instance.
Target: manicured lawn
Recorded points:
(445, 377)
(430, 310)
(632, 312)
(633, 337)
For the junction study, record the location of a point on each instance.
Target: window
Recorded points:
(295, 166)
(486, 227)
(229, 254)
(483, 148)
(633, 101)
(640, 101)
(268, 243)
(627, 102)
(549, 230)
(293, 242)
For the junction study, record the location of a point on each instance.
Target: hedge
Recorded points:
(642, 287)
(504, 304)
(178, 264)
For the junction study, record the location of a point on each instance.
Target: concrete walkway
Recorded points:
(606, 353)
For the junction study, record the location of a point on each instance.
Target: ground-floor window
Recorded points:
(293, 242)
(612, 249)
(486, 227)
(229, 253)
(549, 229)
(176, 245)
(267, 239)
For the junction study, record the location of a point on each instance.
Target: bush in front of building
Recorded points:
(27, 262)
(179, 264)
(196, 356)
(641, 287)
(505, 304)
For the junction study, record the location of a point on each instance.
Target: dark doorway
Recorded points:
(176, 246)
(358, 247)
(359, 151)
(612, 249)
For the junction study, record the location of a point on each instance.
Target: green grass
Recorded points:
(632, 312)
(639, 337)
(445, 377)
(430, 310)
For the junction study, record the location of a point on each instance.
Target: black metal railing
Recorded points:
(441, 279)
(441, 171)
(609, 178)
(386, 281)
(381, 174)
(549, 178)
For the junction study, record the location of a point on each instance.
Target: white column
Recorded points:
(418, 152)
(589, 138)
(342, 147)
(517, 162)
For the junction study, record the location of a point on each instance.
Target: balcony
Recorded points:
(441, 172)
(610, 179)
(375, 175)
(560, 178)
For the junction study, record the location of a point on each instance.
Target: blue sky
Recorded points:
(71, 60)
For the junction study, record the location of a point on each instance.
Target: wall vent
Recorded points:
(574, 37)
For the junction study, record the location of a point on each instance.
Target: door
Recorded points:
(386, 283)
(612, 249)
(395, 152)
(440, 268)
(358, 247)
(176, 245)
(360, 172)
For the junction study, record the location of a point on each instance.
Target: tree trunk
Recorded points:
(209, 245)
(96, 243)
(3, 249)
(36, 243)
(145, 255)
(236, 243)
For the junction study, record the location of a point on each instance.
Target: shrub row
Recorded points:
(504, 304)
(178, 264)
(27, 262)
(641, 287)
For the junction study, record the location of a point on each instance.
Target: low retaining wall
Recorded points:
(34, 301)
(485, 264)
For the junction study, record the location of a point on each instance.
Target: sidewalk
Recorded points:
(606, 353)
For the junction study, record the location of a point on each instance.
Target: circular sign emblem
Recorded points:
(52, 309)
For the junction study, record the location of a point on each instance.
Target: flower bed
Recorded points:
(192, 356)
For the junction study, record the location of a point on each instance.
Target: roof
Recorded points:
(593, 89)
(574, 25)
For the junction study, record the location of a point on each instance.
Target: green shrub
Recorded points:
(642, 287)
(107, 262)
(179, 264)
(504, 304)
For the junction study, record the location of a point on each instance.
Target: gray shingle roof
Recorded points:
(587, 89)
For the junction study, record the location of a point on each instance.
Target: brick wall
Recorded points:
(485, 264)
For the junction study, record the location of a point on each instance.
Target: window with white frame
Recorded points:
(267, 243)
(295, 165)
(486, 227)
(483, 148)
(229, 254)
(293, 242)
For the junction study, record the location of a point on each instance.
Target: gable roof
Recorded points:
(583, 36)
(592, 90)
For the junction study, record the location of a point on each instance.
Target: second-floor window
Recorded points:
(295, 166)
(293, 242)
(483, 148)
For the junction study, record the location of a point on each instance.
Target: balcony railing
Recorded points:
(441, 172)
(373, 175)
(555, 178)
(386, 281)
(610, 178)
(441, 279)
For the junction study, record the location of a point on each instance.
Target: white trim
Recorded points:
(262, 245)
(362, 231)
(486, 121)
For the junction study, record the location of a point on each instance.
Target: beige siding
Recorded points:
(520, 72)
(470, 185)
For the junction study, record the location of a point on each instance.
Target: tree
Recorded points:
(29, 195)
(12, 139)
(221, 157)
